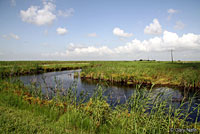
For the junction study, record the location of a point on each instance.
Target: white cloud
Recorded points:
(168, 41)
(67, 13)
(61, 31)
(92, 35)
(37, 16)
(156, 45)
(90, 50)
(72, 46)
(154, 28)
(11, 36)
(179, 25)
(171, 12)
(119, 32)
(13, 3)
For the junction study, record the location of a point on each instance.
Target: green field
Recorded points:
(25, 110)
(11, 68)
(185, 74)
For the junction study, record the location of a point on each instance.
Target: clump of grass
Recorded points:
(76, 74)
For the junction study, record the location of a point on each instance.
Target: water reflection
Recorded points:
(118, 93)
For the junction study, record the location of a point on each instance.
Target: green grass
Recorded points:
(21, 112)
(21, 115)
(186, 74)
(10, 68)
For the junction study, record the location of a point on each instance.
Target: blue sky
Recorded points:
(99, 30)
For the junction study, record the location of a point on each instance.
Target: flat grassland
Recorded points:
(11, 68)
(185, 74)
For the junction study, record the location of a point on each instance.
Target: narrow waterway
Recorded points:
(118, 94)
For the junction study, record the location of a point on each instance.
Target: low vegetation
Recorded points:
(185, 74)
(12, 68)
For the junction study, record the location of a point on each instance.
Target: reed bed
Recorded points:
(26, 110)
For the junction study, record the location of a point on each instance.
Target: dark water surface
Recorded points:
(118, 93)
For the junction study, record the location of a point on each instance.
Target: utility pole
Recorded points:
(172, 55)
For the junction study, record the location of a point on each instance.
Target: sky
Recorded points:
(99, 29)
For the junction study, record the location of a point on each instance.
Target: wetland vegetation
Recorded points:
(27, 109)
(186, 74)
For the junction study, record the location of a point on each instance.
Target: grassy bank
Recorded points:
(186, 74)
(22, 111)
(10, 68)
(27, 110)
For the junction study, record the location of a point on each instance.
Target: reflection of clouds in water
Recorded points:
(117, 93)
(66, 79)
(167, 93)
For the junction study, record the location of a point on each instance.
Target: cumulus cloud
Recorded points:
(179, 25)
(119, 32)
(61, 31)
(39, 16)
(67, 13)
(171, 12)
(92, 35)
(168, 41)
(89, 50)
(82, 52)
(11, 36)
(154, 28)
(45, 15)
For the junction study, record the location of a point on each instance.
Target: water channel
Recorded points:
(118, 94)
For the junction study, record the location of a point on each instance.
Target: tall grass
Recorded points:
(144, 112)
